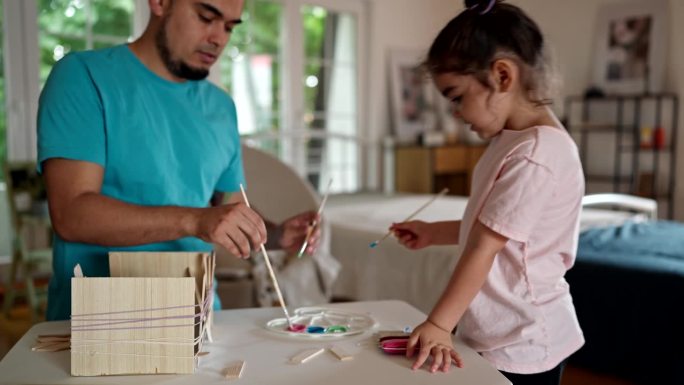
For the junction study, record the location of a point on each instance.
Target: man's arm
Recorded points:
(80, 213)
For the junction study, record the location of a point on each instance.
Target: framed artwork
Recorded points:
(412, 96)
(630, 47)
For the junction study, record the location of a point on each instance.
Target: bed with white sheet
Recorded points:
(391, 271)
(627, 282)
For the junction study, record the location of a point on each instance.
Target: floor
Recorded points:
(13, 328)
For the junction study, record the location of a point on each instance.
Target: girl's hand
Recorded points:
(435, 342)
(413, 234)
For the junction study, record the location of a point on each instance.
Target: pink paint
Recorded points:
(296, 328)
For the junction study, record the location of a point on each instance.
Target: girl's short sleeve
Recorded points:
(517, 199)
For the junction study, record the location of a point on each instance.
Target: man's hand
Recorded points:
(294, 230)
(234, 226)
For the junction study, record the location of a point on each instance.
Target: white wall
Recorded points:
(569, 27)
(397, 24)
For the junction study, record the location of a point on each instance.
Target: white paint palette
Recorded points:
(322, 323)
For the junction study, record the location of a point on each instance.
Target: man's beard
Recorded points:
(176, 67)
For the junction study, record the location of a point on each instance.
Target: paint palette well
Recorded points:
(316, 322)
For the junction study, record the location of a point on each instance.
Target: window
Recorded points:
(250, 70)
(30, 53)
(76, 25)
(293, 71)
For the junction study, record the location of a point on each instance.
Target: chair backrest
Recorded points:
(274, 188)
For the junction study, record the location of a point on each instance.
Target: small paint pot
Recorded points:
(315, 330)
(296, 328)
(336, 329)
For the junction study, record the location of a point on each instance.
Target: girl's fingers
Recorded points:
(457, 359)
(446, 363)
(423, 355)
(437, 358)
(411, 344)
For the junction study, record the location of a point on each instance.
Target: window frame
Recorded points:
(22, 60)
(292, 133)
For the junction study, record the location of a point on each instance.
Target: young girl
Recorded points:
(520, 228)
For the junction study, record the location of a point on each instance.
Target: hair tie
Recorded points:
(489, 7)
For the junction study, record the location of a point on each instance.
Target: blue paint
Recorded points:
(315, 330)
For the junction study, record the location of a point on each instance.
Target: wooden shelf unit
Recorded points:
(427, 170)
(645, 171)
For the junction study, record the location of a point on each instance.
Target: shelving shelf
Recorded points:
(648, 171)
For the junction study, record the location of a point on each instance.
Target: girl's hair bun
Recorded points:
(481, 6)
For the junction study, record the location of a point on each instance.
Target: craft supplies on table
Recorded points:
(316, 323)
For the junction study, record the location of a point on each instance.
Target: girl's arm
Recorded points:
(469, 275)
(418, 234)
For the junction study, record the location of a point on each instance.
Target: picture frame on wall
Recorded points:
(412, 96)
(630, 47)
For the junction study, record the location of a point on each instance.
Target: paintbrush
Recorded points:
(270, 268)
(374, 244)
(314, 223)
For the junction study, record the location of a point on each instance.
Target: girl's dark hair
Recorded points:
(486, 31)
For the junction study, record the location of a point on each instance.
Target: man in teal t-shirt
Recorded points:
(134, 143)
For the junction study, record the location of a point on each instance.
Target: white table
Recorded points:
(239, 335)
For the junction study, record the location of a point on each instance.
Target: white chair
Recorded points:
(277, 192)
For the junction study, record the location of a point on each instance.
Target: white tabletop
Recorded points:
(240, 335)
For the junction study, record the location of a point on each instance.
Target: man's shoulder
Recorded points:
(79, 60)
(215, 92)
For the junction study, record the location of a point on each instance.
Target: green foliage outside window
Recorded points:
(77, 25)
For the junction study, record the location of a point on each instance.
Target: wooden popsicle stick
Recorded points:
(53, 339)
(211, 262)
(341, 354)
(306, 355)
(234, 371)
(51, 347)
(54, 335)
(198, 297)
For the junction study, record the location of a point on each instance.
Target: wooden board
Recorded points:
(157, 264)
(122, 326)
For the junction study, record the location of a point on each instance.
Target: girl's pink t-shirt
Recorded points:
(528, 187)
